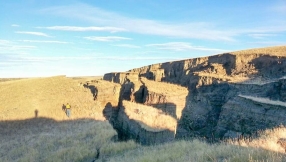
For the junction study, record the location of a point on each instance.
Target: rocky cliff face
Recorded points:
(221, 96)
(213, 108)
(246, 116)
(147, 125)
(268, 63)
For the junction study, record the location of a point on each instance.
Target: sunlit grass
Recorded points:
(198, 151)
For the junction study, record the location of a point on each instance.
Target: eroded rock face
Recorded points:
(224, 67)
(247, 116)
(121, 77)
(145, 124)
(201, 114)
(213, 106)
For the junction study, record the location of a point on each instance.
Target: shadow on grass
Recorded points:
(45, 139)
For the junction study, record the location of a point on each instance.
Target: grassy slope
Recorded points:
(20, 99)
(197, 151)
(44, 139)
(273, 51)
(51, 136)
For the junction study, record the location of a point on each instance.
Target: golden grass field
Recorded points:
(51, 136)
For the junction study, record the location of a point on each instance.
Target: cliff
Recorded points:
(147, 125)
(207, 95)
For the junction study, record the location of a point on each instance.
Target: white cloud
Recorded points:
(135, 58)
(33, 33)
(127, 45)
(261, 35)
(198, 30)
(15, 25)
(193, 30)
(77, 28)
(58, 58)
(41, 41)
(7, 46)
(272, 43)
(16, 47)
(4, 42)
(61, 58)
(181, 46)
(106, 39)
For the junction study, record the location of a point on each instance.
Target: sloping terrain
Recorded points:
(22, 99)
(34, 127)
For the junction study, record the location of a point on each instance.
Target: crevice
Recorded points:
(97, 155)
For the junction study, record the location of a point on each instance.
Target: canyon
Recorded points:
(229, 95)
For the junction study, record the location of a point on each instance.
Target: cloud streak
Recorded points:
(198, 30)
(7, 46)
(33, 33)
(190, 30)
(63, 58)
(41, 41)
(127, 45)
(83, 29)
(261, 35)
(15, 25)
(181, 46)
(106, 39)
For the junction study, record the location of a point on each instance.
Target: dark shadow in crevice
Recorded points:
(167, 108)
(93, 91)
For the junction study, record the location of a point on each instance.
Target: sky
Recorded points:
(94, 37)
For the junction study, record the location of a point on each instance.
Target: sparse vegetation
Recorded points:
(43, 139)
(198, 151)
(274, 51)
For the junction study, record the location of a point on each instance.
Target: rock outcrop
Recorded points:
(147, 125)
(212, 97)
(121, 77)
(246, 115)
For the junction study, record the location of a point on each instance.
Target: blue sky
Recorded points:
(93, 37)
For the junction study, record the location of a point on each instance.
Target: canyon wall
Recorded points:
(145, 124)
(205, 95)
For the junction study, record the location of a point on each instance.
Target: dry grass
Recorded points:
(44, 139)
(9, 79)
(197, 151)
(81, 140)
(267, 140)
(20, 99)
(273, 51)
(264, 100)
